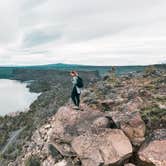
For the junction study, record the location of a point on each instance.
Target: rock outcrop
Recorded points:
(113, 127)
(87, 135)
(106, 146)
(154, 150)
(39, 146)
(131, 123)
(68, 124)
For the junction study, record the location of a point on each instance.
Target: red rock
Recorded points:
(110, 102)
(68, 124)
(134, 105)
(101, 122)
(154, 151)
(108, 146)
(131, 123)
(86, 134)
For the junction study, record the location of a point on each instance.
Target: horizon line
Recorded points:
(70, 64)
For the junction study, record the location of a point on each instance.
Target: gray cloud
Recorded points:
(97, 32)
(38, 37)
(29, 4)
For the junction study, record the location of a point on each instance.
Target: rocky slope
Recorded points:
(17, 129)
(122, 121)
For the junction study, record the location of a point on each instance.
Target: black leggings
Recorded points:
(75, 97)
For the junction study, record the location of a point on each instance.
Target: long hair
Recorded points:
(74, 73)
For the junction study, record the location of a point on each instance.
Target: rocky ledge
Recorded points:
(121, 123)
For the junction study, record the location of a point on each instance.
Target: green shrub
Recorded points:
(150, 70)
(53, 151)
(33, 161)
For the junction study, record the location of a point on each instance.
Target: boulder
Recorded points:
(101, 122)
(153, 151)
(134, 104)
(131, 123)
(111, 102)
(107, 146)
(69, 123)
(87, 135)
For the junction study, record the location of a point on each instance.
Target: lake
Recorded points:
(15, 96)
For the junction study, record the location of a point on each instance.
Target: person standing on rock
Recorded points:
(77, 87)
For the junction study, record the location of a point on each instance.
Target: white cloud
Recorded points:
(9, 21)
(94, 32)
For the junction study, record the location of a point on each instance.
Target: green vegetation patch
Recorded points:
(154, 117)
(33, 161)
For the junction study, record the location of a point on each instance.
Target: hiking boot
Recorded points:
(76, 107)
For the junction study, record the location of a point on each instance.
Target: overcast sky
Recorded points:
(96, 32)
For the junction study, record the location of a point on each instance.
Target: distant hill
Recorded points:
(7, 72)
